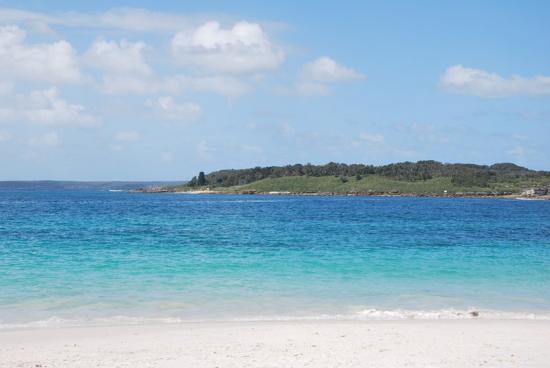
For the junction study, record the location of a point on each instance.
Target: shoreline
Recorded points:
(352, 194)
(363, 316)
(330, 343)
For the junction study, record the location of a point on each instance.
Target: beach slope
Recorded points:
(459, 343)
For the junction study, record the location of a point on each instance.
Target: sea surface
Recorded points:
(82, 256)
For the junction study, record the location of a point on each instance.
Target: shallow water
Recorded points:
(75, 256)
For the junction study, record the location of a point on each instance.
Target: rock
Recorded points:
(534, 192)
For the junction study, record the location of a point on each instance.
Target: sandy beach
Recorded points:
(462, 343)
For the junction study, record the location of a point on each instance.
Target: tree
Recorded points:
(464, 175)
(201, 179)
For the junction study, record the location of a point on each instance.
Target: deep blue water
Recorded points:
(80, 255)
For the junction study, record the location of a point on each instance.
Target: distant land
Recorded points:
(81, 185)
(422, 178)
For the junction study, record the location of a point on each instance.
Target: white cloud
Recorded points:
(169, 109)
(324, 69)
(41, 27)
(50, 139)
(477, 82)
(316, 75)
(127, 136)
(125, 67)
(46, 107)
(118, 57)
(130, 19)
(243, 48)
(47, 62)
(4, 136)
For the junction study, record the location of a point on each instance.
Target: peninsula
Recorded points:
(422, 178)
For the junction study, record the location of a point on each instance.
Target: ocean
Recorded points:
(93, 256)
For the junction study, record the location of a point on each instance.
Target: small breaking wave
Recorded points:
(370, 314)
(103, 321)
(373, 314)
(399, 314)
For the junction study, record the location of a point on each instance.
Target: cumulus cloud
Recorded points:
(118, 57)
(167, 108)
(316, 75)
(477, 82)
(50, 139)
(125, 67)
(46, 62)
(324, 69)
(243, 48)
(127, 136)
(46, 107)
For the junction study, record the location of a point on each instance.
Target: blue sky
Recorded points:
(160, 90)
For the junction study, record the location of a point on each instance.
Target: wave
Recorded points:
(472, 313)
(373, 314)
(100, 321)
(362, 315)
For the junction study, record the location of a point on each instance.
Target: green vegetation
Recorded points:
(423, 177)
(372, 183)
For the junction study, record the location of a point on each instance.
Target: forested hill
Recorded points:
(460, 175)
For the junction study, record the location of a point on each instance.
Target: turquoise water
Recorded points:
(75, 256)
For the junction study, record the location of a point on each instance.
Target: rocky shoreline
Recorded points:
(370, 193)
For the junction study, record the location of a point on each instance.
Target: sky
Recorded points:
(160, 90)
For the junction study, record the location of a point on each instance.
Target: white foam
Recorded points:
(370, 314)
(101, 321)
(472, 313)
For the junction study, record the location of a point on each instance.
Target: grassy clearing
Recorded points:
(304, 184)
(375, 183)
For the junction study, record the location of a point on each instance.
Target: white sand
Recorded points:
(464, 343)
